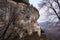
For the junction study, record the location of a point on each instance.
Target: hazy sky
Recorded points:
(35, 2)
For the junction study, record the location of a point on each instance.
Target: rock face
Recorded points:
(17, 20)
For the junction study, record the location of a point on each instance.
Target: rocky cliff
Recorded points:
(17, 21)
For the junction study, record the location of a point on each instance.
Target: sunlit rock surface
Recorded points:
(17, 20)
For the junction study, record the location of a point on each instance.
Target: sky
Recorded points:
(35, 2)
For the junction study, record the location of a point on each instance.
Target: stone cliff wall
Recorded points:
(16, 20)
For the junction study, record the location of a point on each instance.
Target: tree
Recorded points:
(50, 4)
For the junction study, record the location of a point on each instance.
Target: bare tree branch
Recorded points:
(57, 3)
